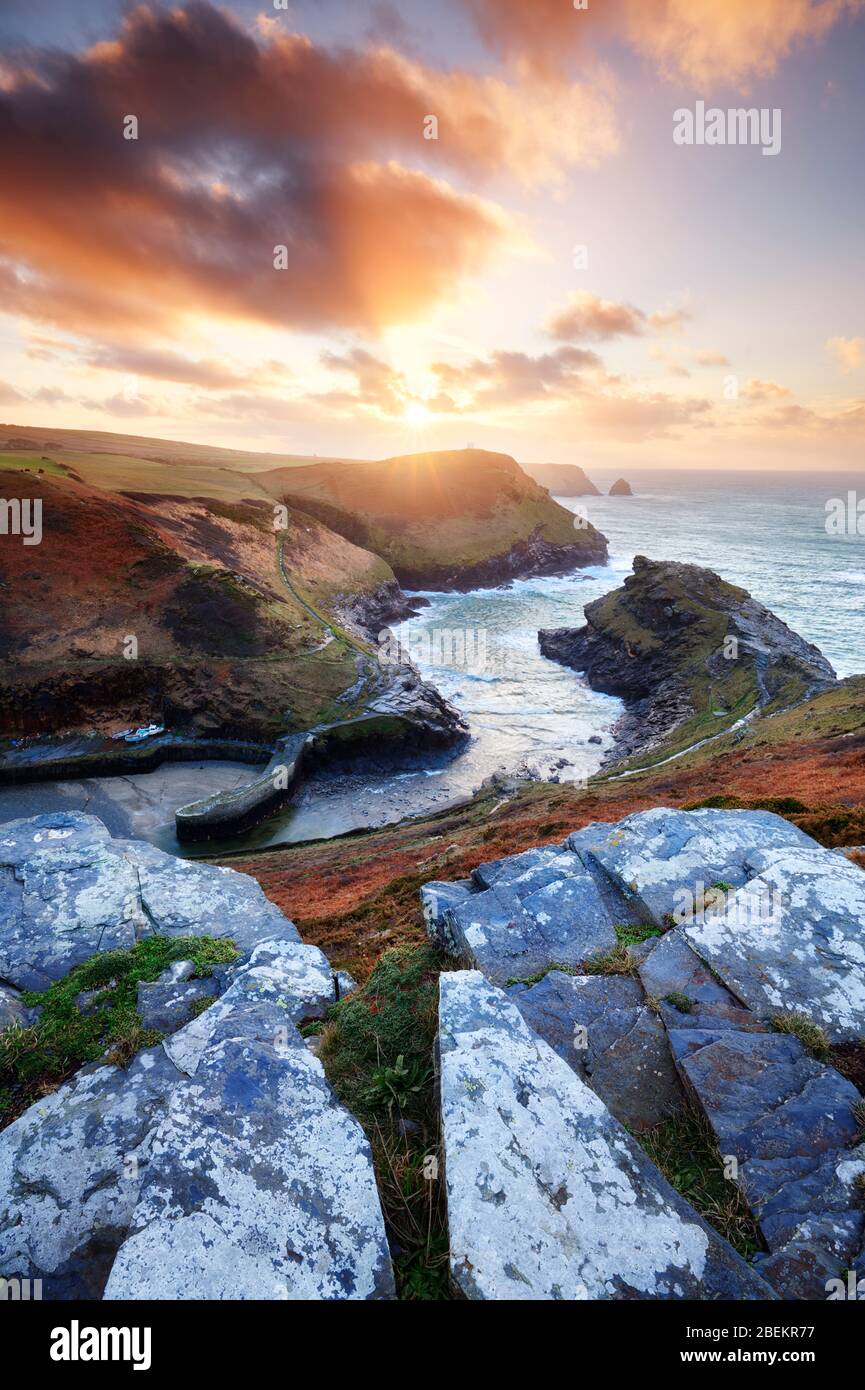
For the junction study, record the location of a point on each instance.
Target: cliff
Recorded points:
(562, 479)
(690, 654)
(450, 520)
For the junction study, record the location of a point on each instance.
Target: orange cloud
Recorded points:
(703, 41)
(757, 390)
(245, 144)
(586, 316)
(848, 352)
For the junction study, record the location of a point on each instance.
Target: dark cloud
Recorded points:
(244, 144)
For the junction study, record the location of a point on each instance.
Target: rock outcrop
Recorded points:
(687, 652)
(218, 1164)
(548, 1196)
(758, 932)
(621, 488)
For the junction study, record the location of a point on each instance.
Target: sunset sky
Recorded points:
(434, 292)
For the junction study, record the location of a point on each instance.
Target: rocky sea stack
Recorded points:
(687, 652)
(621, 488)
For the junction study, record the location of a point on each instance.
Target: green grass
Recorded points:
(680, 1001)
(684, 1149)
(17, 463)
(36, 1059)
(628, 935)
(377, 1050)
(809, 1033)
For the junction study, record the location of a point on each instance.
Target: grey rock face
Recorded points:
(13, 1012)
(665, 861)
(219, 1165)
(70, 1172)
(259, 1186)
(601, 1026)
(788, 1120)
(548, 1196)
(68, 890)
(285, 983)
(545, 907)
(167, 1004)
(794, 938)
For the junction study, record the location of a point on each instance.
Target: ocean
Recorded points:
(765, 532)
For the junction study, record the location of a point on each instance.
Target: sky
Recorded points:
(365, 229)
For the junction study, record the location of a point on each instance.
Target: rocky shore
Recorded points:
(689, 653)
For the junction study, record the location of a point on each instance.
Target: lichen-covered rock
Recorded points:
(260, 1186)
(285, 983)
(666, 860)
(601, 1026)
(70, 1172)
(68, 890)
(793, 938)
(548, 1196)
(694, 1006)
(789, 1122)
(224, 1151)
(542, 908)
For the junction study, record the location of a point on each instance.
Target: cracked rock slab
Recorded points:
(601, 1026)
(219, 1165)
(67, 890)
(793, 938)
(260, 1186)
(788, 1120)
(70, 1171)
(661, 858)
(548, 1195)
(285, 983)
(522, 924)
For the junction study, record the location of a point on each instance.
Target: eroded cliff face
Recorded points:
(688, 652)
(562, 479)
(451, 520)
(197, 615)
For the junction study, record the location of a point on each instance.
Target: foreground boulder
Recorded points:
(753, 930)
(216, 1165)
(68, 890)
(548, 1196)
(518, 916)
(259, 1184)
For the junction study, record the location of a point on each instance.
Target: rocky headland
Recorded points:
(689, 653)
(562, 479)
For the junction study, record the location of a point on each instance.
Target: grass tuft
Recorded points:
(377, 1051)
(618, 961)
(685, 1150)
(809, 1033)
(35, 1060)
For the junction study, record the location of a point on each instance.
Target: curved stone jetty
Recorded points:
(548, 1195)
(218, 1164)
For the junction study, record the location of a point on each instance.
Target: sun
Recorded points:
(416, 415)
